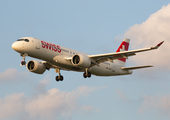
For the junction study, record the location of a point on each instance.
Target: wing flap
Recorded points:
(135, 67)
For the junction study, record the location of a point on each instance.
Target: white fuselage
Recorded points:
(57, 55)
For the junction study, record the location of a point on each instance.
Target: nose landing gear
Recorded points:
(23, 62)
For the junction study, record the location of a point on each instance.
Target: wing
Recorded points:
(124, 54)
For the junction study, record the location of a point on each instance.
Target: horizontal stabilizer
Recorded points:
(136, 67)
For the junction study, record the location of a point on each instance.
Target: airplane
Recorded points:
(62, 58)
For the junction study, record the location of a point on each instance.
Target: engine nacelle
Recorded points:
(81, 61)
(36, 67)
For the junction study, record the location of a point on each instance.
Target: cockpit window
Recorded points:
(20, 40)
(26, 40)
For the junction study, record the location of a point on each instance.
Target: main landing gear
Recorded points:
(60, 77)
(23, 62)
(86, 74)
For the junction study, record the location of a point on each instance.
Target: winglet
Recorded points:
(157, 46)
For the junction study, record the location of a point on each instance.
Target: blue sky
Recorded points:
(93, 27)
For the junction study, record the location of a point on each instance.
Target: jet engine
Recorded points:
(36, 67)
(81, 61)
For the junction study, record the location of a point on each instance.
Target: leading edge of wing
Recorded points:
(124, 53)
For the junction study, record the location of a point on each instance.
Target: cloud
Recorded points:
(161, 105)
(85, 90)
(46, 104)
(12, 75)
(149, 33)
(157, 104)
(11, 105)
(40, 88)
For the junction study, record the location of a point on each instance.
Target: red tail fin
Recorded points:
(123, 47)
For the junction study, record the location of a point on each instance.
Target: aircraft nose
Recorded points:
(16, 46)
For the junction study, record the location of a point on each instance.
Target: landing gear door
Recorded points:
(37, 44)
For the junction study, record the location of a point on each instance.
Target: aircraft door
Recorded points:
(23, 46)
(37, 44)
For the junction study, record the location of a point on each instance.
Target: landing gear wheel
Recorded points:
(56, 78)
(59, 78)
(23, 62)
(84, 75)
(87, 75)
